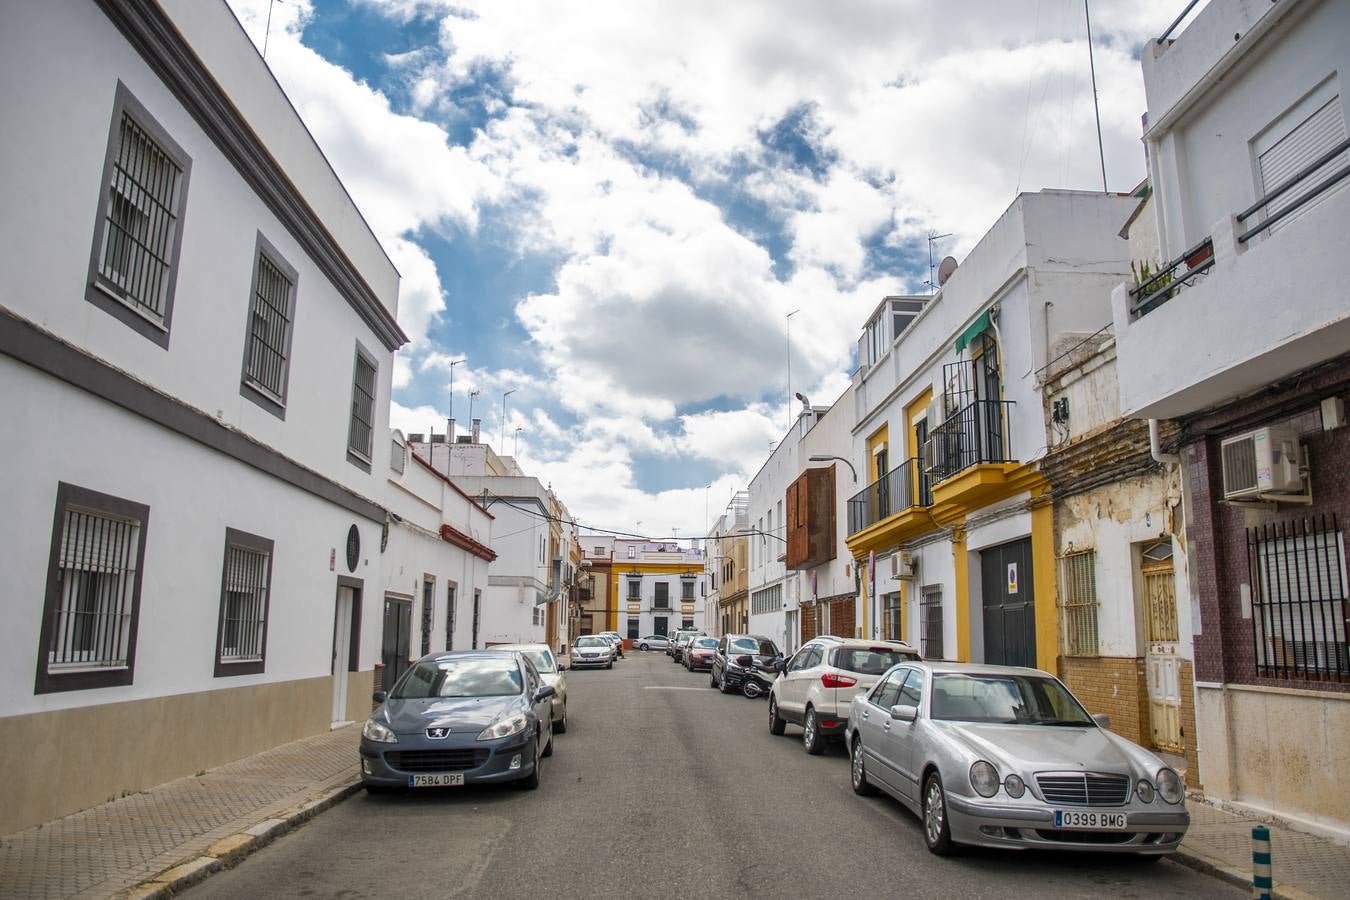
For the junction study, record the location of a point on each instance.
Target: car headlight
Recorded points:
(1015, 786)
(984, 779)
(504, 726)
(1169, 786)
(1145, 791)
(378, 732)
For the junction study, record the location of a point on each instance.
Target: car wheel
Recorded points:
(560, 726)
(548, 748)
(776, 722)
(712, 680)
(858, 775)
(643, 647)
(937, 833)
(812, 739)
(377, 789)
(610, 664)
(531, 781)
(722, 685)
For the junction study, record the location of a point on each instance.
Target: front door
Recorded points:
(396, 644)
(1161, 661)
(342, 640)
(1009, 608)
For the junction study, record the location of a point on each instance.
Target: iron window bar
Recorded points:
(974, 435)
(97, 573)
(1177, 21)
(1165, 283)
(270, 321)
(891, 493)
(1298, 178)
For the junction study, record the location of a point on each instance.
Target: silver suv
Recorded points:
(815, 687)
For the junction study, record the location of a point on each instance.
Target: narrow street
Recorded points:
(663, 787)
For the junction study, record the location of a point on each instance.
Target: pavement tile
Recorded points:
(107, 850)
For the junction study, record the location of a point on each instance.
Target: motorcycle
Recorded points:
(757, 680)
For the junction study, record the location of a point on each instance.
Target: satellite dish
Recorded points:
(945, 269)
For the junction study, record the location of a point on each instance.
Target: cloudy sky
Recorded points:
(611, 206)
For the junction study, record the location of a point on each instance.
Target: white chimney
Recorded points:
(477, 425)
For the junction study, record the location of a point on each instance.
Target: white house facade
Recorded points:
(196, 338)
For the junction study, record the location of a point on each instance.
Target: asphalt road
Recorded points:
(665, 788)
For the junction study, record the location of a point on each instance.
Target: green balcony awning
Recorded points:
(977, 328)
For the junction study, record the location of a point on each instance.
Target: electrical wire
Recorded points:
(598, 530)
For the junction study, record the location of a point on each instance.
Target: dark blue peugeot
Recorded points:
(464, 717)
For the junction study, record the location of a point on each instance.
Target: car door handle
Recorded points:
(887, 726)
(865, 714)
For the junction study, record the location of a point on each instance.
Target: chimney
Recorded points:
(449, 431)
(477, 425)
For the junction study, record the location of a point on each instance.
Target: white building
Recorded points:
(658, 585)
(436, 564)
(196, 340)
(771, 594)
(1243, 338)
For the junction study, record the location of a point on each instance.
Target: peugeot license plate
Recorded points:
(447, 780)
(1084, 820)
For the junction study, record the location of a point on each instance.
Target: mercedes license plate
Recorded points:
(1084, 820)
(448, 780)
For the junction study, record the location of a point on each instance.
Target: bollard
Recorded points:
(1261, 881)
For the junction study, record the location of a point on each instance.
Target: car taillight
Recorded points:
(831, 680)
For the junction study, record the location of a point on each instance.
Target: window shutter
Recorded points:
(1311, 138)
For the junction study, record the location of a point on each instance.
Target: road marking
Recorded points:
(670, 687)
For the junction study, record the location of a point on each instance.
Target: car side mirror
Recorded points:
(379, 696)
(1102, 720)
(904, 712)
(545, 692)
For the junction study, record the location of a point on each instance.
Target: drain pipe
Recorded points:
(1155, 446)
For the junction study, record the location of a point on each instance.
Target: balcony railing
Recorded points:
(1171, 279)
(889, 494)
(974, 435)
(1295, 203)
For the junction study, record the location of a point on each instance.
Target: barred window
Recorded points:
(634, 589)
(361, 426)
(687, 589)
(930, 622)
(241, 647)
(662, 599)
(633, 623)
(93, 591)
(1078, 602)
(686, 623)
(1299, 601)
(766, 601)
(267, 345)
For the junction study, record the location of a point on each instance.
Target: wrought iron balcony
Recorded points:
(974, 435)
(899, 489)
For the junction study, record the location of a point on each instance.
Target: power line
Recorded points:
(597, 529)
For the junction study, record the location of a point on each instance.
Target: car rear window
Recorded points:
(706, 643)
(870, 660)
(754, 645)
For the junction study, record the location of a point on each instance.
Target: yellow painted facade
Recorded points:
(620, 603)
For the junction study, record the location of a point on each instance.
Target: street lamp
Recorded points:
(515, 449)
(788, 330)
(501, 446)
(842, 460)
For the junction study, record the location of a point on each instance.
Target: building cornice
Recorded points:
(151, 32)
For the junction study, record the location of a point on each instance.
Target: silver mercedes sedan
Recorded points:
(997, 756)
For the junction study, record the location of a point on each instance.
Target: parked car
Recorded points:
(681, 641)
(592, 650)
(674, 639)
(699, 654)
(653, 642)
(457, 718)
(552, 673)
(735, 654)
(616, 640)
(815, 687)
(1007, 757)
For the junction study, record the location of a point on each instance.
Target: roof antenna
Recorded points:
(933, 237)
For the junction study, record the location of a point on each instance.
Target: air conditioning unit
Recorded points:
(936, 414)
(904, 564)
(1264, 461)
(935, 456)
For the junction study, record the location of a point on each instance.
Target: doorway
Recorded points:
(1009, 606)
(1161, 661)
(396, 642)
(477, 612)
(346, 632)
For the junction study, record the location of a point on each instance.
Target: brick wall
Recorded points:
(842, 618)
(1116, 686)
(1225, 647)
(810, 622)
(1187, 682)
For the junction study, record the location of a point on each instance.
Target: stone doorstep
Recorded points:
(229, 851)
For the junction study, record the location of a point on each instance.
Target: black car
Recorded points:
(737, 654)
(457, 718)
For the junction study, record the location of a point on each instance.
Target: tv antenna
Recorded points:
(933, 237)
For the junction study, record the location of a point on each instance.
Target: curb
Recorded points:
(228, 852)
(1208, 865)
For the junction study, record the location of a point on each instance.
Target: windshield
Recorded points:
(542, 659)
(706, 643)
(871, 660)
(759, 646)
(469, 677)
(591, 640)
(1006, 699)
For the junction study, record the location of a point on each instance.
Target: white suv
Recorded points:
(815, 687)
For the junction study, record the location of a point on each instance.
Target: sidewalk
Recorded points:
(194, 824)
(176, 833)
(1220, 843)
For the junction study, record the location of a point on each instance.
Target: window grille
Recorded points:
(687, 590)
(633, 623)
(766, 601)
(269, 330)
(243, 626)
(686, 623)
(141, 216)
(428, 613)
(930, 623)
(1078, 603)
(363, 408)
(634, 589)
(96, 580)
(662, 600)
(1299, 598)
